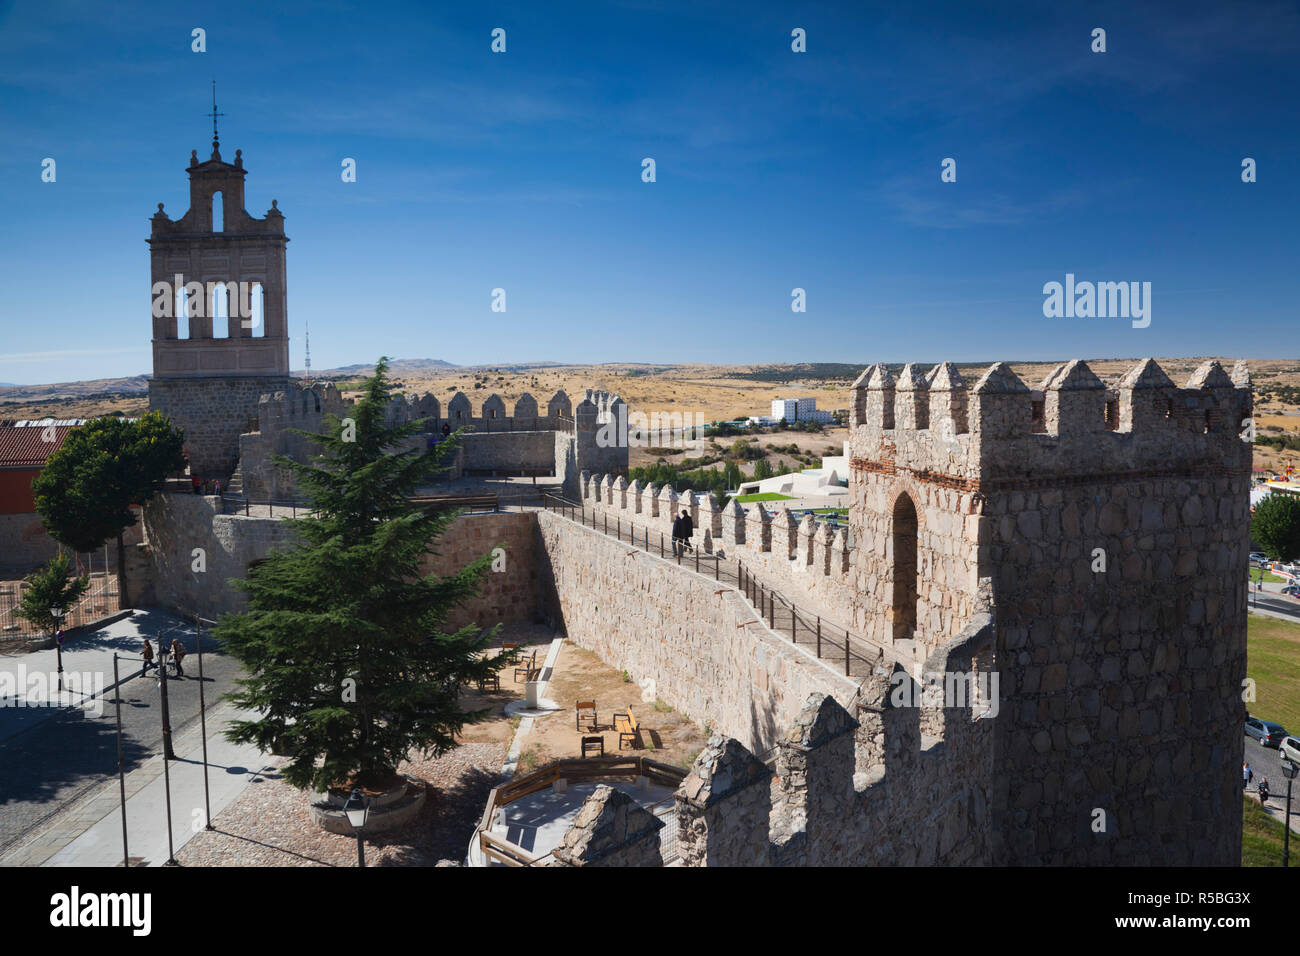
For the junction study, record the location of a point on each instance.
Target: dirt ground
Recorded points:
(665, 734)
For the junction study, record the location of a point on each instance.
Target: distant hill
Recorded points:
(94, 388)
(397, 367)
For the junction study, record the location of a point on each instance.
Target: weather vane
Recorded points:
(214, 114)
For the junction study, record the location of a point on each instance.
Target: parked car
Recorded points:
(1290, 749)
(1292, 590)
(1266, 732)
(1258, 557)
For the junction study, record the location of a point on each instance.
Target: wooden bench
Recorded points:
(596, 744)
(628, 728)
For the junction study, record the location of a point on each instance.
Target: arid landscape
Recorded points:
(717, 392)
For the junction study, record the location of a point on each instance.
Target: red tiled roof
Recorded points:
(25, 446)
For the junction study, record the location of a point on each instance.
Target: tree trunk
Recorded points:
(124, 598)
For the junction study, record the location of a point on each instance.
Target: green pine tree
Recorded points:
(348, 664)
(49, 587)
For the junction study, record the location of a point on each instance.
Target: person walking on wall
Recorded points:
(688, 529)
(147, 654)
(677, 536)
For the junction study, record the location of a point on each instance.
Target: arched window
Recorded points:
(182, 315)
(903, 553)
(218, 213)
(220, 311)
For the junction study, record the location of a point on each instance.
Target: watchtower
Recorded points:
(1113, 523)
(220, 334)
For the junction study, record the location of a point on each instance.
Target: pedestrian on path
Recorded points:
(1263, 791)
(147, 654)
(688, 529)
(178, 655)
(1246, 774)
(677, 536)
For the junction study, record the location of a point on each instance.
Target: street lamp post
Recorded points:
(358, 809)
(57, 613)
(1289, 771)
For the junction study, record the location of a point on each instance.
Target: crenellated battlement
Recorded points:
(999, 430)
(299, 406)
(805, 560)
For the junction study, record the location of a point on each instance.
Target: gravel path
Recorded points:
(269, 824)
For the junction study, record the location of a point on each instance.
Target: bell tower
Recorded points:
(220, 333)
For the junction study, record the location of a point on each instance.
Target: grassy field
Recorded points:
(1261, 835)
(765, 496)
(1273, 662)
(1269, 576)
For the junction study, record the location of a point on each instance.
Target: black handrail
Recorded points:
(830, 642)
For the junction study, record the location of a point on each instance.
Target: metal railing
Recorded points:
(830, 642)
(101, 600)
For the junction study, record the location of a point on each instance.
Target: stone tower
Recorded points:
(223, 341)
(1113, 525)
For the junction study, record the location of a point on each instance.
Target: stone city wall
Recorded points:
(804, 561)
(214, 413)
(865, 785)
(25, 544)
(698, 641)
(510, 592)
(177, 524)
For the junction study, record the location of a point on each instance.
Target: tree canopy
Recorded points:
(1275, 526)
(85, 492)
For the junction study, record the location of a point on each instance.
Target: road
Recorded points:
(52, 756)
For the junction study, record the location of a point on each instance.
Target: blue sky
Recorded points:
(775, 170)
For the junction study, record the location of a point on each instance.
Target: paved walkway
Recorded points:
(89, 833)
(87, 668)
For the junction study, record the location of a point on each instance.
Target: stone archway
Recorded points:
(904, 568)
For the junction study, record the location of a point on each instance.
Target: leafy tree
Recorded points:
(1275, 525)
(343, 640)
(763, 469)
(85, 492)
(48, 587)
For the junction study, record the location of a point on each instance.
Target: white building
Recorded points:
(798, 410)
(830, 481)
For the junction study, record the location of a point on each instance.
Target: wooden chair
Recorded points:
(491, 682)
(596, 744)
(628, 728)
(585, 710)
(526, 667)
